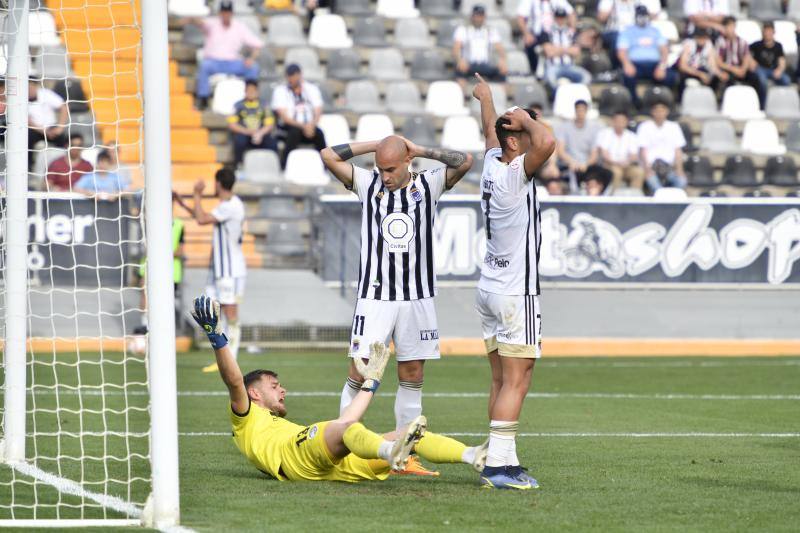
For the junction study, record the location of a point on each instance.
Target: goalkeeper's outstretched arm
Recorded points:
(206, 312)
(373, 373)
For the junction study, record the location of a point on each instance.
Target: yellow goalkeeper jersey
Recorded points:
(260, 435)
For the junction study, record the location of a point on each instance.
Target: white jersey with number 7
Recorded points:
(513, 227)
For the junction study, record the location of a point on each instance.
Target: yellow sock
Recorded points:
(362, 442)
(440, 449)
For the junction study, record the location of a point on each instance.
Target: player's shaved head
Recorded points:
(392, 160)
(392, 147)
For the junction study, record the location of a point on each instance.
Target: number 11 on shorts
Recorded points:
(358, 325)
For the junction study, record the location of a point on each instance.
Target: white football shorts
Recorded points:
(227, 291)
(512, 325)
(410, 324)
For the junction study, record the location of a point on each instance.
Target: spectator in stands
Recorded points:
(312, 6)
(769, 62)
(251, 124)
(535, 17)
(561, 51)
(733, 56)
(298, 104)
(473, 45)
(642, 51)
(708, 14)
(47, 117)
(104, 181)
(225, 38)
(595, 181)
(112, 150)
(65, 172)
(698, 60)
(618, 15)
(617, 149)
(661, 142)
(554, 186)
(576, 139)
(279, 5)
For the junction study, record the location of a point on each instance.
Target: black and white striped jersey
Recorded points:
(513, 224)
(397, 235)
(227, 259)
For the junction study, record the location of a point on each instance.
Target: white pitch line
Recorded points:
(574, 435)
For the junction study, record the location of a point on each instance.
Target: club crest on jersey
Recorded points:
(356, 345)
(312, 432)
(415, 194)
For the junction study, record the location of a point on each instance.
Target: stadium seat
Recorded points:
(628, 192)
(71, 90)
(357, 8)
(766, 9)
(667, 29)
(387, 64)
(793, 194)
(503, 28)
(335, 128)
(566, 96)
(437, 8)
(275, 206)
(304, 167)
(781, 171)
(193, 35)
(370, 32)
(793, 10)
(373, 126)
(614, 98)
(308, 60)
(328, 103)
(262, 166)
(740, 171)
(758, 193)
(783, 103)
(285, 31)
(735, 8)
(344, 64)
(713, 193)
(749, 30)
(785, 34)
(252, 22)
(427, 65)
(265, 89)
(498, 96)
(328, 31)
(412, 33)
(687, 134)
(397, 9)
(719, 136)
(658, 94)
(792, 137)
(86, 130)
(188, 8)
(518, 64)
(531, 92)
(510, 8)
(420, 130)
(462, 133)
(675, 9)
(243, 6)
(444, 99)
(446, 31)
(41, 29)
(699, 171)
(491, 7)
(285, 239)
(226, 94)
(669, 194)
(363, 97)
(403, 97)
(760, 136)
(699, 102)
(268, 67)
(740, 102)
(52, 63)
(597, 62)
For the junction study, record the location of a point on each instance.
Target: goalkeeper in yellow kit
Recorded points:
(336, 450)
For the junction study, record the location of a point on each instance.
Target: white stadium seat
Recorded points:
(518, 64)
(566, 96)
(304, 167)
(328, 31)
(760, 137)
(503, 27)
(462, 133)
(412, 33)
(785, 34)
(362, 96)
(42, 29)
(373, 127)
(783, 103)
(335, 128)
(445, 98)
(188, 8)
(226, 94)
(749, 30)
(403, 97)
(740, 102)
(397, 9)
(262, 166)
(308, 60)
(667, 29)
(387, 64)
(699, 102)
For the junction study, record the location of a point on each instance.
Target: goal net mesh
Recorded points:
(87, 444)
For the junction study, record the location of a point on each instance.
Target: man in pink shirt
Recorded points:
(65, 171)
(225, 38)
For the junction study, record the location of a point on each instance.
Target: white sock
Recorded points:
(513, 460)
(349, 391)
(501, 442)
(234, 334)
(469, 455)
(407, 403)
(385, 449)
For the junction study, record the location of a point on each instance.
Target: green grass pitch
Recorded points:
(579, 443)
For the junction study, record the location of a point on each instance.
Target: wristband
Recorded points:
(370, 385)
(217, 340)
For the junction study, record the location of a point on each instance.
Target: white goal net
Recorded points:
(78, 403)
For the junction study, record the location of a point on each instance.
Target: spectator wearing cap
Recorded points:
(576, 139)
(535, 17)
(47, 117)
(769, 62)
(617, 15)
(617, 149)
(698, 61)
(64, 172)
(251, 124)
(733, 57)
(298, 105)
(474, 45)
(561, 52)
(225, 39)
(707, 14)
(642, 51)
(660, 149)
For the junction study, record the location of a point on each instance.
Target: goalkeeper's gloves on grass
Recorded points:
(372, 371)
(206, 313)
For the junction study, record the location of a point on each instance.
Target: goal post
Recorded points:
(89, 433)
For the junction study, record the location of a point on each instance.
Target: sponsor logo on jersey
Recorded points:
(398, 231)
(488, 186)
(312, 432)
(496, 262)
(503, 335)
(428, 334)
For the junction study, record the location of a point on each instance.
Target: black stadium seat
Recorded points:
(370, 32)
(597, 62)
(740, 171)
(713, 193)
(420, 130)
(699, 171)
(613, 99)
(344, 64)
(428, 65)
(781, 171)
(354, 7)
(758, 193)
(438, 8)
(445, 31)
(687, 134)
(656, 94)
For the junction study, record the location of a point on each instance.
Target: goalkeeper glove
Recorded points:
(206, 313)
(372, 371)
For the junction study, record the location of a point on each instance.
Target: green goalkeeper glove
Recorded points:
(372, 371)
(206, 313)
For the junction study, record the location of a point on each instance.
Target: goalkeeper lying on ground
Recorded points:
(341, 449)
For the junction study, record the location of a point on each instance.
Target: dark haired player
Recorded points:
(517, 145)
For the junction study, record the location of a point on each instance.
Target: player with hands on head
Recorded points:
(397, 281)
(335, 450)
(517, 145)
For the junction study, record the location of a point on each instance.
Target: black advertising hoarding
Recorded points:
(751, 241)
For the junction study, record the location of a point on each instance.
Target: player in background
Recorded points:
(517, 145)
(397, 281)
(228, 270)
(335, 450)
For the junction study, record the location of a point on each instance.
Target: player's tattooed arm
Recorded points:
(458, 163)
(451, 158)
(336, 159)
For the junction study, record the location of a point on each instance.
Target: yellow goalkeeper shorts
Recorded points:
(307, 458)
